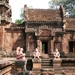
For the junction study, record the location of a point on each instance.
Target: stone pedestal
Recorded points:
(57, 66)
(36, 66)
(20, 66)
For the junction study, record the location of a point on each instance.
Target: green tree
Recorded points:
(69, 6)
(19, 21)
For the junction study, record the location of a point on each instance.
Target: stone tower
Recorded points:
(5, 19)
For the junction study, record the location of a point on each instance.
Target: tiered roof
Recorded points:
(70, 24)
(44, 15)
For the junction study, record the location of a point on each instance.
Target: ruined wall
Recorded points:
(66, 39)
(56, 43)
(30, 41)
(14, 39)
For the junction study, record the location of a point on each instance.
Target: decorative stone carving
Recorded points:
(36, 53)
(63, 10)
(25, 13)
(19, 54)
(6, 1)
(44, 32)
(8, 12)
(56, 54)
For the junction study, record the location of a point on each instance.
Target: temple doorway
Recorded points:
(72, 46)
(45, 47)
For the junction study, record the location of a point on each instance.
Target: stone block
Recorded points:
(36, 64)
(44, 73)
(20, 65)
(57, 66)
(57, 62)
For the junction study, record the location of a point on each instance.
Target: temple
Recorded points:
(47, 28)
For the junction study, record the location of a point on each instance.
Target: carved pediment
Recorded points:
(45, 32)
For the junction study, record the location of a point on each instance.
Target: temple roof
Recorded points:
(70, 24)
(44, 15)
(70, 21)
(15, 26)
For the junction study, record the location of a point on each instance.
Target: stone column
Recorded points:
(37, 66)
(27, 42)
(57, 66)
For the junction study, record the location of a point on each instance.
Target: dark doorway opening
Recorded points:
(72, 46)
(45, 47)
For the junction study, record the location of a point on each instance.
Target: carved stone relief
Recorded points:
(44, 32)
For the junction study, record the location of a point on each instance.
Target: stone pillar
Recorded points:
(36, 66)
(57, 66)
(27, 42)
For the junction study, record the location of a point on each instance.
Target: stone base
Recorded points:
(20, 66)
(57, 62)
(36, 64)
(57, 66)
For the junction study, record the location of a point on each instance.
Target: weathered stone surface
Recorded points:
(36, 64)
(44, 73)
(57, 66)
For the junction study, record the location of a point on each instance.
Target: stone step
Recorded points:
(46, 67)
(57, 66)
(35, 73)
(68, 68)
(57, 69)
(71, 55)
(47, 73)
(46, 62)
(57, 72)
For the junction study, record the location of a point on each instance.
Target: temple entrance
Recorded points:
(72, 46)
(45, 47)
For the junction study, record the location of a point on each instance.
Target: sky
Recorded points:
(16, 6)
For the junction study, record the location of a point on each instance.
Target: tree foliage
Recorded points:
(69, 6)
(19, 21)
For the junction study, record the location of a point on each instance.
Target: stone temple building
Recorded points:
(46, 28)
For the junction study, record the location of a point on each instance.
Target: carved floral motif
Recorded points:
(44, 32)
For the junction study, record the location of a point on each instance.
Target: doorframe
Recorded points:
(72, 46)
(46, 47)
